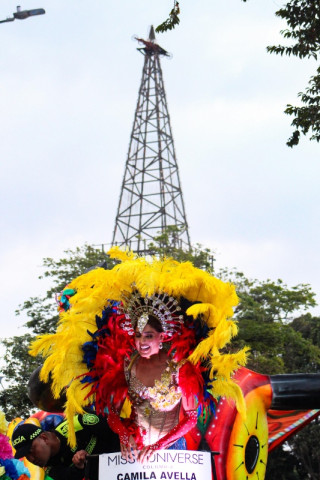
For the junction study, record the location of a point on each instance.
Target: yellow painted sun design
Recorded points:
(248, 447)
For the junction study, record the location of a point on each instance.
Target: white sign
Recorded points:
(162, 465)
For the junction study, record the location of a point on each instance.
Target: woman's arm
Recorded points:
(190, 382)
(127, 442)
(184, 426)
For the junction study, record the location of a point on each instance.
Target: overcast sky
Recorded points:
(68, 90)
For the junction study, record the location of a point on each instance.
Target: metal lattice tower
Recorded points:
(151, 197)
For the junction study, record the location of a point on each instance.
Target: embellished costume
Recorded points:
(156, 409)
(93, 350)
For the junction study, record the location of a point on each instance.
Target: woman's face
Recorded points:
(147, 342)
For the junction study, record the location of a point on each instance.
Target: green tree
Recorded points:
(282, 465)
(42, 311)
(303, 30)
(309, 327)
(305, 447)
(303, 20)
(302, 453)
(264, 315)
(172, 21)
(42, 317)
(167, 244)
(18, 366)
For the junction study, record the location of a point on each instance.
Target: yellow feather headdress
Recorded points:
(211, 299)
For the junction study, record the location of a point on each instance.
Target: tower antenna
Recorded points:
(151, 200)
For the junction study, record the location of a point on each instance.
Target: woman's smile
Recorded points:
(148, 342)
(144, 348)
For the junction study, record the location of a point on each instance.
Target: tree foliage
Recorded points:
(18, 366)
(42, 317)
(303, 20)
(305, 448)
(172, 21)
(42, 311)
(303, 31)
(166, 244)
(266, 315)
(299, 458)
(282, 465)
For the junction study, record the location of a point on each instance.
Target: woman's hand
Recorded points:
(129, 451)
(187, 423)
(79, 458)
(146, 452)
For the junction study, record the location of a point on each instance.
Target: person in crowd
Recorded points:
(50, 449)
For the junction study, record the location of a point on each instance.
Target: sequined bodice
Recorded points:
(156, 408)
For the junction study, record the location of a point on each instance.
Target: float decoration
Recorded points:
(10, 468)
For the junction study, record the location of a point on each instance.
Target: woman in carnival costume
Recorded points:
(142, 343)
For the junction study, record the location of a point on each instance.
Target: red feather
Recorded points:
(182, 343)
(107, 372)
(191, 381)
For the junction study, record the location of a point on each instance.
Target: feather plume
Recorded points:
(210, 300)
(191, 381)
(182, 344)
(3, 423)
(116, 252)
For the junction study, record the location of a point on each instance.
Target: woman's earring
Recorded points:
(160, 345)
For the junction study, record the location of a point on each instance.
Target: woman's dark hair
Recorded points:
(155, 323)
